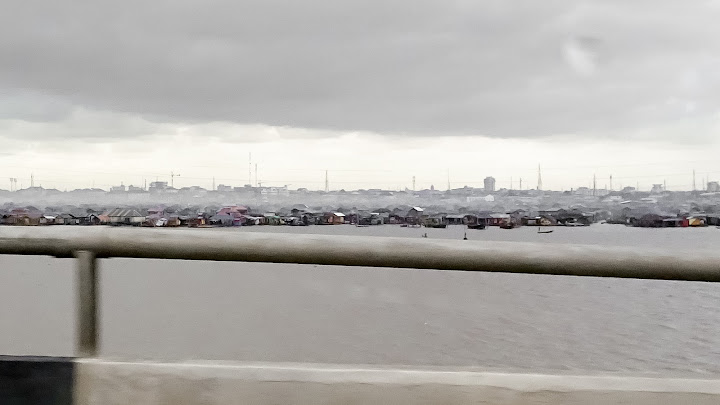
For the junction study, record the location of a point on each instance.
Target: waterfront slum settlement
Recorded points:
(302, 215)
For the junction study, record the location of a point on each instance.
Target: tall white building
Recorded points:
(489, 184)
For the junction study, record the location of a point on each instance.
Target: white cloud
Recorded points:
(581, 56)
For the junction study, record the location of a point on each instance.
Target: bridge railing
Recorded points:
(88, 244)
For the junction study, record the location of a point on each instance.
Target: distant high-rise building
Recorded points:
(489, 184)
(713, 187)
(539, 186)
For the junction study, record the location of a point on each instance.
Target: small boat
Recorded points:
(548, 231)
(569, 223)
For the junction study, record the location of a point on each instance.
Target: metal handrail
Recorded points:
(421, 253)
(89, 243)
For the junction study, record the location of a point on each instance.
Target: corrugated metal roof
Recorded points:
(499, 216)
(124, 212)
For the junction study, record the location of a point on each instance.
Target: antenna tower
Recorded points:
(250, 182)
(594, 185)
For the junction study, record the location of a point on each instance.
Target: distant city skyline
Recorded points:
(355, 161)
(338, 179)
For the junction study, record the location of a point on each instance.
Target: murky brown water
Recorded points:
(163, 309)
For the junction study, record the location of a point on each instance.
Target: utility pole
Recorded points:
(327, 182)
(413, 183)
(172, 179)
(611, 188)
(539, 185)
(213, 183)
(32, 180)
(250, 182)
(520, 183)
(664, 185)
(256, 177)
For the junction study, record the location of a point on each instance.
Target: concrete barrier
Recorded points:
(63, 381)
(119, 382)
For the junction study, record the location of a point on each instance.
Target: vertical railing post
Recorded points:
(87, 304)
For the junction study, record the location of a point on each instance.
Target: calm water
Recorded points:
(160, 309)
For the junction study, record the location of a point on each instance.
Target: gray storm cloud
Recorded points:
(495, 68)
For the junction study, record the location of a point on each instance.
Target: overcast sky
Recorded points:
(374, 91)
